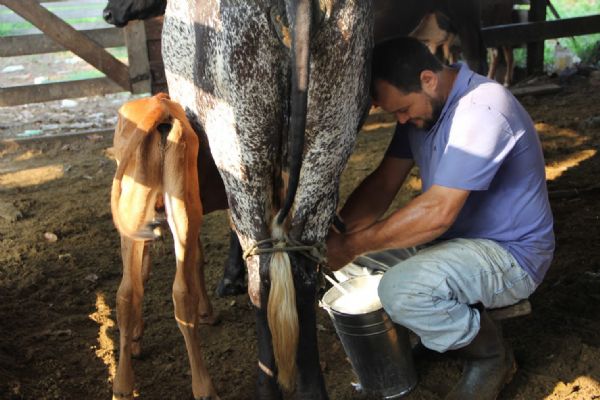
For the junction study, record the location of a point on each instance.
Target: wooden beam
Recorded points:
(535, 50)
(71, 39)
(24, 45)
(154, 28)
(137, 54)
(17, 95)
(516, 34)
(536, 90)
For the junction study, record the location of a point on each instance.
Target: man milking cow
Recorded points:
(482, 225)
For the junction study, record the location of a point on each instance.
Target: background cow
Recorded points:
(460, 18)
(501, 12)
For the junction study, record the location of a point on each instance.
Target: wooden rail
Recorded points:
(25, 45)
(89, 45)
(71, 39)
(515, 34)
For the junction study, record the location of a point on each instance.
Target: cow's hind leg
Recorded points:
(232, 282)
(494, 59)
(510, 65)
(267, 387)
(311, 384)
(129, 315)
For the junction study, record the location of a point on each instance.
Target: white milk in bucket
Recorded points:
(358, 299)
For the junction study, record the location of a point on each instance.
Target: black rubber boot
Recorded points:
(489, 364)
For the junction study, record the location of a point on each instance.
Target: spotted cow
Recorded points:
(280, 89)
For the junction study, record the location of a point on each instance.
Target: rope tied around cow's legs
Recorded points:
(313, 252)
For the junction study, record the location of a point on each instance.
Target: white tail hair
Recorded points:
(282, 314)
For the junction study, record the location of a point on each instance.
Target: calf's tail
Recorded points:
(133, 205)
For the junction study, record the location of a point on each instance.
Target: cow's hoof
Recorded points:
(209, 319)
(227, 287)
(122, 396)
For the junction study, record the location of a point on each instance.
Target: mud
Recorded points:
(58, 336)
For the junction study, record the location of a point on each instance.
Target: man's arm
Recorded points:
(371, 199)
(422, 220)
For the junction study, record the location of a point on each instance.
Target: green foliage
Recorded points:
(582, 46)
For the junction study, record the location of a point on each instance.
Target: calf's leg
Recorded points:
(184, 212)
(138, 329)
(129, 315)
(206, 314)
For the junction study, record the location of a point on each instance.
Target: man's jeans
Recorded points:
(430, 292)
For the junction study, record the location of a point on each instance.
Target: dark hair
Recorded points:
(400, 62)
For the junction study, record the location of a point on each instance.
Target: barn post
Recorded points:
(137, 54)
(535, 50)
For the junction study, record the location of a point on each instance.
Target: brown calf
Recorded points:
(156, 152)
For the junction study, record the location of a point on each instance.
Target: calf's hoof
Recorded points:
(227, 287)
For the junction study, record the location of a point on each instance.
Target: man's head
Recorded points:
(406, 81)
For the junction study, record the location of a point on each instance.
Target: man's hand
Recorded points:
(338, 252)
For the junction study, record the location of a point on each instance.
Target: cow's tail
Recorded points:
(282, 314)
(132, 209)
(300, 19)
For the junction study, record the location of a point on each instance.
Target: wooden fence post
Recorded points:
(535, 51)
(137, 52)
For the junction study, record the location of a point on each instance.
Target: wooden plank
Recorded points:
(535, 50)
(137, 54)
(154, 50)
(24, 45)
(157, 71)
(523, 307)
(516, 34)
(17, 95)
(71, 39)
(536, 90)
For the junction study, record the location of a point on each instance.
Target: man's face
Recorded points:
(422, 109)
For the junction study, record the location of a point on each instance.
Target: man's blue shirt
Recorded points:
(485, 142)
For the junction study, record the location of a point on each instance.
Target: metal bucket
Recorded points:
(378, 349)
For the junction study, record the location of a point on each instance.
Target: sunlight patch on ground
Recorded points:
(28, 155)
(413, 183)
(105, 350)
(32, 176)
(582, 387)
(556, 169)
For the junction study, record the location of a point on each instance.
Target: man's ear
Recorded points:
(429, 81)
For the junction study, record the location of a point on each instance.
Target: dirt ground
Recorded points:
(58, 338)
